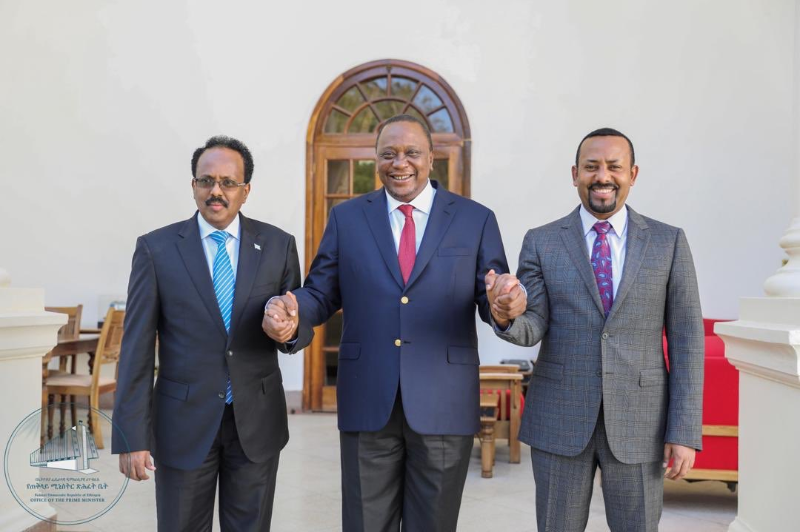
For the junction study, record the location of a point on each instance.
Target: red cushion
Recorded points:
(720, 403)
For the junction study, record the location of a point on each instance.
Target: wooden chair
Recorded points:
(507, 388)
(108, 349)
(70, 331)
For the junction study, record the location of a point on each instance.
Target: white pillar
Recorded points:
(27, 332)
(764, 345)
(786, 281)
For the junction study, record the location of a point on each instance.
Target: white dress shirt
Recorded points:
(617, 238)
(210, 247)
(422, 210)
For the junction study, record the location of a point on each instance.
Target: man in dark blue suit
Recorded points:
(217, 415)
(406, 264)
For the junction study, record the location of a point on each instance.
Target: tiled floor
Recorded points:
(308, 498)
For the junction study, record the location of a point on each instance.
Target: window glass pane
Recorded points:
(426, 99)
(375, 88)
(440, 122)
(336, 122)
(363, 176)
(388, 109)
(333, 203)
(338, 177)
(333, 330)
(413, 112)
(403, 88)
(364, 122)
(331, 368)
(350, 99)
(439, 172)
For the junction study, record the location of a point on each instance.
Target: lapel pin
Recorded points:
(256, 246)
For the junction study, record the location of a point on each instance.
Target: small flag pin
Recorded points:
(256, 246)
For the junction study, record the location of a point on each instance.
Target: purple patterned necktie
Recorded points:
(601, 263)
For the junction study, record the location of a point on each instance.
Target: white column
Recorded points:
(764, 345)
(27, 332)
(786, 281)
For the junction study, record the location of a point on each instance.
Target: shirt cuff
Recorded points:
(498, 329)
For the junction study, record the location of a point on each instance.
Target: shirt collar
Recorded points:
(206, 228)
(423, 201)
(619, 222)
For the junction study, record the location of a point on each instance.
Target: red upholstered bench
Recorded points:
(719, 459)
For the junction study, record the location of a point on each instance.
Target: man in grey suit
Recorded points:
(603, 283)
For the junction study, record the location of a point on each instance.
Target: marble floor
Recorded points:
(308, 499)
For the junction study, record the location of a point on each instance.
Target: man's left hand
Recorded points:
(507, 300)
(281, 318)
(682, 460)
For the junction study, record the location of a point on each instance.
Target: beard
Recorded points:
(601, 208)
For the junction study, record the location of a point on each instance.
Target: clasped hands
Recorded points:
(507, 299)
(281, 318)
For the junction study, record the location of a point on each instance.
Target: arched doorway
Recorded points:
(340, 164)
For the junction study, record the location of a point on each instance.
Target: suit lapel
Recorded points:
(249, 258)
(378, 222)
(636, 247)
(439, 220)
(191, 250)
(575, 242)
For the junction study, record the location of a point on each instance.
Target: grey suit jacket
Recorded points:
(586, 361)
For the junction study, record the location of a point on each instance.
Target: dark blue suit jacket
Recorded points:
(171, 295)
(436, 363)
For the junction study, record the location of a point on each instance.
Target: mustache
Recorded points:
(221, 201)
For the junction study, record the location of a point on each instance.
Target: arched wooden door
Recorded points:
(340, 164)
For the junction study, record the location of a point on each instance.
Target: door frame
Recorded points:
(456, 147)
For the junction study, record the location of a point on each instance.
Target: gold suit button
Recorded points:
(404, 300)
(397, 342)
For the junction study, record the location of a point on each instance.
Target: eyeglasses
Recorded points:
(225, 184)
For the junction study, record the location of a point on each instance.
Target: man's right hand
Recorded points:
(134, 465)
(507, 300)
(281, 318)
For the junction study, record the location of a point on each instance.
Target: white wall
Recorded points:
(102, 103)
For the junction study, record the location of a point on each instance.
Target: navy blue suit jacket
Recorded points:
(171, 295)
(436, 364)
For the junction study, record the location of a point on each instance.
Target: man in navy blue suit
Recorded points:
(216, 418)
(406, 264)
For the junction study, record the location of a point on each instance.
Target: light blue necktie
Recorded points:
(224, 283)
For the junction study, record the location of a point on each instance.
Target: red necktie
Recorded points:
(408, 243)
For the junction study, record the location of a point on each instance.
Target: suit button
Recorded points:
(404, 300)
(599, 373)
(398, 343)
(221, 395)
(230, 353)
(605, 335)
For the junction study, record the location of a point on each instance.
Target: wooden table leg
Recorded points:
(513, 436)
(487, 447)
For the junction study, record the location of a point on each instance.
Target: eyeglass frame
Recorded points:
(196, 181)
